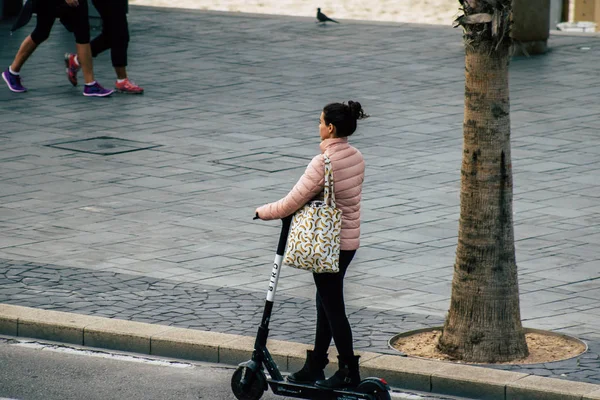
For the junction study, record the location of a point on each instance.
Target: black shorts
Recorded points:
(75, 19)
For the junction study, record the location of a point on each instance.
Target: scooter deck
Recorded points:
(300, 391)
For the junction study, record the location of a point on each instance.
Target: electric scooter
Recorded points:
(249, 380)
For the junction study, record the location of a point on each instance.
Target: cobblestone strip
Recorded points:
(226, 310)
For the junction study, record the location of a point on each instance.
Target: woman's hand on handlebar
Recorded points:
(285, 219)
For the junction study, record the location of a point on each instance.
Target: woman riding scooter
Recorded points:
(337, 122)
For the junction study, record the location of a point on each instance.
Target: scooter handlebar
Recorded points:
(286, 222)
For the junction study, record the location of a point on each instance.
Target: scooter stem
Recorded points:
(263, 330)
(285, 229)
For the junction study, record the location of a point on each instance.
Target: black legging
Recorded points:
(48, 10)
(115, 31)
(332, 321)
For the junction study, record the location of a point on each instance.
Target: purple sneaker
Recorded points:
(13, 82)
(96, 90)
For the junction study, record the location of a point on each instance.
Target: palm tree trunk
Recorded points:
(484, 322)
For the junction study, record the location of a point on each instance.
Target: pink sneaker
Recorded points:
(72, 68)
(128, 86)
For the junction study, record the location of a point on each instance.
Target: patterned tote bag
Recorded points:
(314, 240)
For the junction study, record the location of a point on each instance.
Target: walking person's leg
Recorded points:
(25, 51)
(43, 26)
(102, 42)
(78, 16)
(115, 35)
(99, 44)
(117, 30)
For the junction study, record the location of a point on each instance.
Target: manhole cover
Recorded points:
(103, 145)
(266, 162)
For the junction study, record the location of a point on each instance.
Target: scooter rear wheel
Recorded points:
(254, 390)
(375, 389)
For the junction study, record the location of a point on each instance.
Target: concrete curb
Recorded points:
(407, 373)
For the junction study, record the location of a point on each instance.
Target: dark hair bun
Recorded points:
(356, 110)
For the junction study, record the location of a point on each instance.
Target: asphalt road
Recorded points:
(46, 371)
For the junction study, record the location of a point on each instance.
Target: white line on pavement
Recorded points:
(396, 395)
(100, 354)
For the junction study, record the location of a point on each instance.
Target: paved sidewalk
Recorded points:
(164, 234)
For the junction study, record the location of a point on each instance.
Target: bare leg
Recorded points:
(121, 72)
(27, 48)
(84, 56)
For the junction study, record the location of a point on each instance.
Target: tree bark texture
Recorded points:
(484, 322)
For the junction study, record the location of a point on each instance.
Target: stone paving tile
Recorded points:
(235, 121)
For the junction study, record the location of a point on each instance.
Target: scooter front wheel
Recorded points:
(247, 384)
(376, 388)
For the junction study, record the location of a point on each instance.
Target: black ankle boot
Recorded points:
(311, 371)
(347, 377)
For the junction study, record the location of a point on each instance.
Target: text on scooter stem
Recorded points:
(273, 277)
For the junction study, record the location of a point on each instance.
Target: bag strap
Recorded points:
(329, 193)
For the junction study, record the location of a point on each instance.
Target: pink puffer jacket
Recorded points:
(348, 175)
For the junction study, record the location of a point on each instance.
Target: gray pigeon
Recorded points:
(322, 18)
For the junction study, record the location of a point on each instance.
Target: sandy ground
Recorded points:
(542, 348)
(416, 11)
(440, 12)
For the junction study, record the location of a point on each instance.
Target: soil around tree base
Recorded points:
(543, 346)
